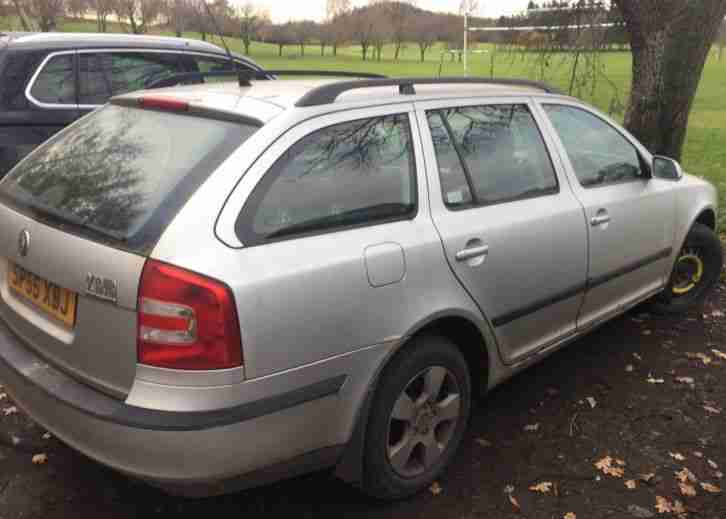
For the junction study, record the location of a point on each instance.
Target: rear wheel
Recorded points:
(418, 418)
(696, 271)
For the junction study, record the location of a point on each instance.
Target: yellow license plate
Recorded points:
(55, 301)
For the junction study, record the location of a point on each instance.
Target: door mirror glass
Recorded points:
(667, 169)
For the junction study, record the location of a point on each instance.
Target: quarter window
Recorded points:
(56, 83)
(107, 74)
(599, 154)
(350, 174)
(496, 151)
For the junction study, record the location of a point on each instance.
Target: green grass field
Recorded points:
(705, 150)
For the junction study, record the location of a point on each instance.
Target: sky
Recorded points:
(283, 10)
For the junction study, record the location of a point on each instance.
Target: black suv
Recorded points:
(47, 81)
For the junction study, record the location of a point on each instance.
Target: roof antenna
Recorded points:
(243, 79)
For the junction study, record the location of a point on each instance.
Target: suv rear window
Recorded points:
(122, 173)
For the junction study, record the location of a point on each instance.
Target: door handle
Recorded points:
(601, 218)
(472, 252)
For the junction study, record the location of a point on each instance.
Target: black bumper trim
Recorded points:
(24, 365)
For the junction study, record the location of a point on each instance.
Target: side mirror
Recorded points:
(667, 169)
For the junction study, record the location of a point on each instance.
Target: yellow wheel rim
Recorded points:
(683, 284)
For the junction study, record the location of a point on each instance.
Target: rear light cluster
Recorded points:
(186, 321)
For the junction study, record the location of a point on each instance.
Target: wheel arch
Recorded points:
(706, 217)
(474, 338)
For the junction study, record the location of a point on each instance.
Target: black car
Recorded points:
(49, 80)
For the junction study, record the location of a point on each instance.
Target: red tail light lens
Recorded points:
(186, 321)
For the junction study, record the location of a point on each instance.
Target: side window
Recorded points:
(501, 151)
(56, 84)
(107, 74)
(351, 174)
(207, 64)
(599, 153)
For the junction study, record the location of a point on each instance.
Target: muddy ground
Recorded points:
(548, 425)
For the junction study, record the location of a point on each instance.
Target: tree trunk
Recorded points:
(364, 48)
(670, 42)
(423, 53)
(279, 50)
(21, 14)
(246, 43)
(302, 49)
(335, 49)
(322, 49)
(397, 51)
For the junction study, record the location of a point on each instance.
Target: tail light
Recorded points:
(186, 321)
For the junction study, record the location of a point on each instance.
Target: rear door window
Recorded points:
(348, 175)
(56, 82)
(121, 174)
(106, 74)
(498, 149)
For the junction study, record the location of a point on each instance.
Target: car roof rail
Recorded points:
(326, 94)
(244, 76)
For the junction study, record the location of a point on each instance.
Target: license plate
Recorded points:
(58, 302)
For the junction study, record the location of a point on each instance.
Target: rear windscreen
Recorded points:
(121, 174)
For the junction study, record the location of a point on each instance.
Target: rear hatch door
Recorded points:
(79, 217)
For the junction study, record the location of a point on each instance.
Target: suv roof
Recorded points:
(76, 40)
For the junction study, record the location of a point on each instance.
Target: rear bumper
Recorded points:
(187, 452)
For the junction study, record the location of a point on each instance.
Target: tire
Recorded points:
(413, 370)
(682, 296)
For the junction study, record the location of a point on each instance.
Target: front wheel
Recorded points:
(696, 271)
(418, 418)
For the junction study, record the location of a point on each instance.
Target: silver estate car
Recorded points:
(215, 286)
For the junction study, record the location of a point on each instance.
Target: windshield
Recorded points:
(121, 174)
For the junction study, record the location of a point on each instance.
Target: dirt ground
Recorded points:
(618, 392)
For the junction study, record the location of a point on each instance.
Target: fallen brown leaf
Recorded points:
(10, 410)
(631, 484)
(662, 505)
(687, 490)
(514, 502)
(545, 487)
(531, 427)
(484, 443)
(435, 488)
(677, 456)
(678, 508)
(569, 515)
(40, 459)
(713, 489)
(711, 409)
(698, 454)
(712, 464)
(685, 476)
(719, 354)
